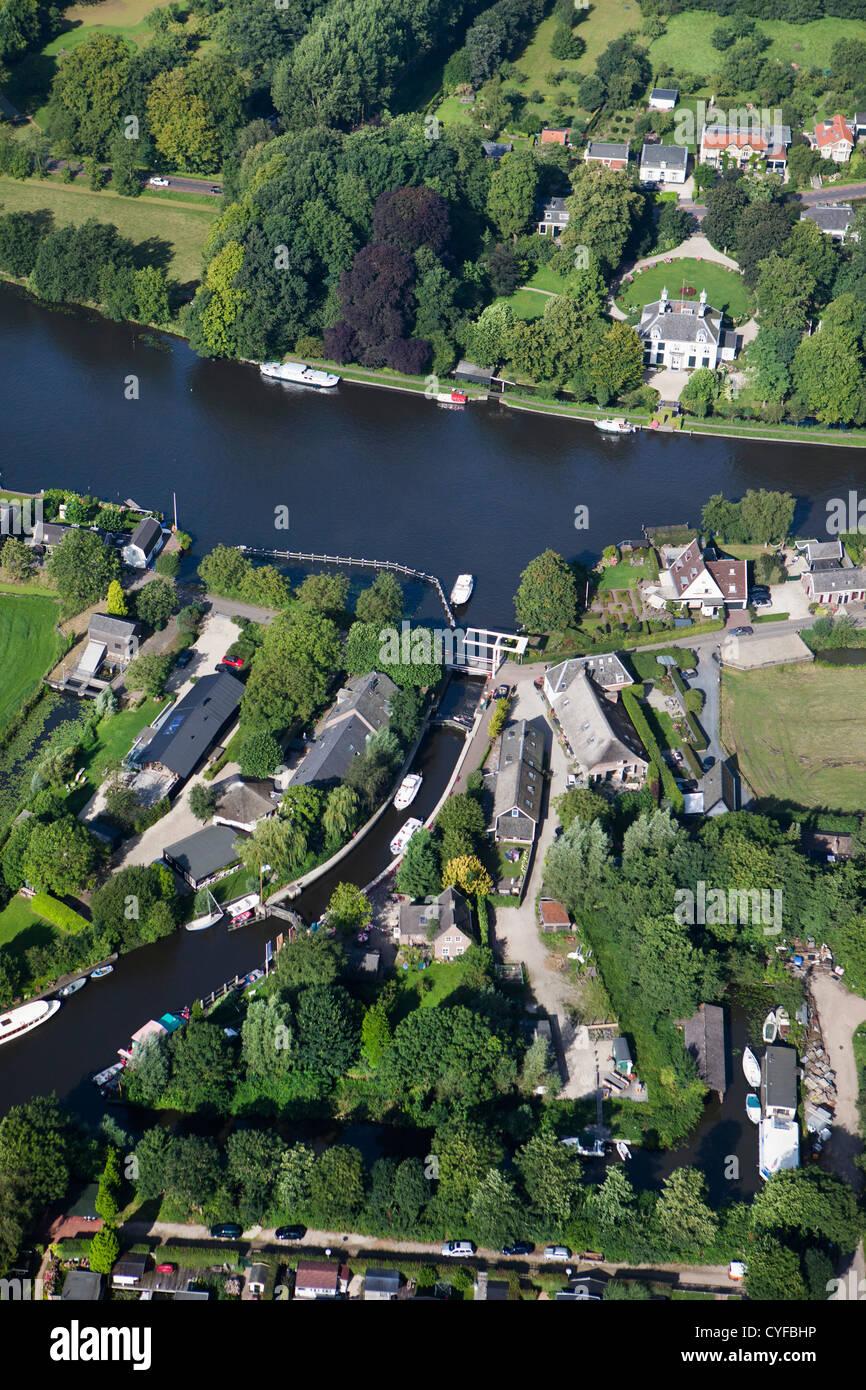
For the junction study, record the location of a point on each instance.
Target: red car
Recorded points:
(235, 661)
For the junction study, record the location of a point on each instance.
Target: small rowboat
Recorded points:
(623, 1150)
(753, 1108)
(103, 970)
(751, 1068)
(770, 1028)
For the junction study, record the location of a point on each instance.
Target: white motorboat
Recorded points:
(17, 1022)
(404, 835)
(462, 591)
(770, 1028)
(751, 1067)
(72, 988)
(451, 398)
(753, 1108)
(299, 374)
(623, 1150)
(408, 790)
(104, 1078)
(617, 426)
(101, 972)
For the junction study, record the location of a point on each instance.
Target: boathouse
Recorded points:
(205, 856)
(704, 1040)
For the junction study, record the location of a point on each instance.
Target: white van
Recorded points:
(458, 1247)
(557, 1252)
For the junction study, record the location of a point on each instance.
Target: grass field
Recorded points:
(526, 304)
(725, 290)
(625, 575)
(547, 279)
(799, 732)
(686, 43)
(607, 19)
(181, 230)
(29, 646)
(20, 925)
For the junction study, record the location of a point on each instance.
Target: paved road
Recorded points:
(350, 1245)
(834, 193)
(177, 182)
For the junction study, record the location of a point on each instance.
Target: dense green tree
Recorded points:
(686, 1223)
(325, 593)
(547, 597)
(420, 871)
(252, 1159)
(203, 801)
(349, 908)
(551, 1178)
(495, 1213)
(328, 1034)
(82, 567)
(61, 856)
(86, 105)
(203, 1065)
(382, 602)
(156, 602)
(37, 1149)
(260, 755)
(314, 959)
(604, 207)
(337, 1184)
(513, 189)
(340, 813)
(375, 1033)
(291, 672)
(104, 1250)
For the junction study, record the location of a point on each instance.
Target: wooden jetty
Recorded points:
(355, 563)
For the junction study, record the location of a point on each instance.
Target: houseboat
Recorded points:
(408, 790)
(17, 1022)
(299, 374)
(404, 835)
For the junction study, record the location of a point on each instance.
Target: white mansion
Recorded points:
(679, 334)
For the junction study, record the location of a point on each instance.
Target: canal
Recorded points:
(362, 472)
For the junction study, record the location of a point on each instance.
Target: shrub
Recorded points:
(58, 914)
(168, 563)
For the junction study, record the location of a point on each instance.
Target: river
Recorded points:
(362, 472)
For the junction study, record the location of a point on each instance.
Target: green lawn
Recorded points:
(426, 988)
(547, 279)
(181, 230)
(725, 290)
(686, 42)
(115, 738)
(624, 576)
(525, 304)
(29, 647)
(607, 19)
(20, 924)
(799, 732)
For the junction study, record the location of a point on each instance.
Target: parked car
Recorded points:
(216, 188)
(185, 657)
(520, 1247)
(458, 1247)
(234, 661)
(227, 1230)
(557, 1252)
(290, 1233)
(761, 600)
(502, 692)
(741, 631)
(157, 182)
(690, 673)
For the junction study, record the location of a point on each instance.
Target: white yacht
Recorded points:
(404, 835)
(17, 1022)
(408, 790)
(618, 426)
(462, 591)
(300, 374)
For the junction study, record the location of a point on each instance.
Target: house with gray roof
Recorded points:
(832, 218)
(82, 1286)
(519, 781)
(205, 856)
(553, 217)
(362, 708)
(663, 98)
(118, 637)
(243, 804)
(192, 726)
(612, 156)
(381, 1285)
(598, 733)
(443, 923)
(48, 535)
(680, 334)
(144, 544)
(663, 163)
(721, 789)
(495, 149)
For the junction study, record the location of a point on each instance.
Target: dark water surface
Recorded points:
(363, 472)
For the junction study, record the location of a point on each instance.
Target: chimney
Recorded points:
(664, 300)
(703, 309)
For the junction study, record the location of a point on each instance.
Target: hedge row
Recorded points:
(58, 914)
(699, 738)
(647, 737)
(693, 761)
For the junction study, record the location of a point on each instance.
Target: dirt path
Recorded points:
(841, 1013)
